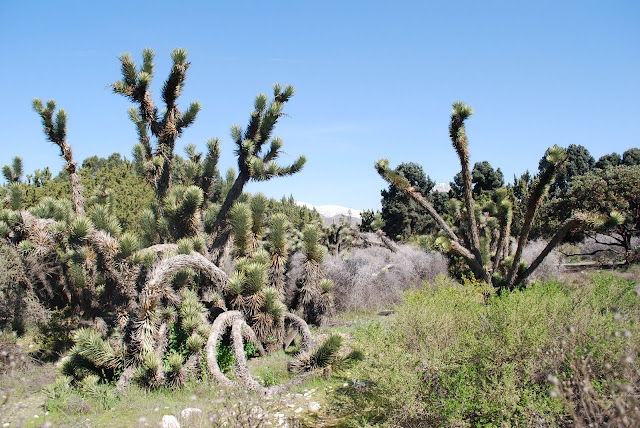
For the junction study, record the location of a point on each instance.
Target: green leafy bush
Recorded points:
(457, 354)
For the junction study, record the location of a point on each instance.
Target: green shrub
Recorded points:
(457, 355)
(55, 336)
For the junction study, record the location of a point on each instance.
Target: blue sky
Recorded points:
(373, 79)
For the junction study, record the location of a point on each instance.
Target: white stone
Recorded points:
(190, 412)
(298, 410)
(170, 421)
(314, 407)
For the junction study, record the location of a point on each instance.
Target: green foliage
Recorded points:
(13, 173)
(129, 244)
(57, 209)
(615, 192)
(401, 216)
(457, 355)
(484, 178)
(103, 219)
(79, 229)
(241, 223)
(631, 157)
(312, 250)
(55, 336)
(327, 352)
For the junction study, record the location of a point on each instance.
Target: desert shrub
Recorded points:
(12, 294)
(456, 355)
(550, 266)
(371, 278)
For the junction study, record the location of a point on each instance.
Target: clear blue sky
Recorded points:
(373, 79)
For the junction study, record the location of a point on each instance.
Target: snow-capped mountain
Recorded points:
(442, 187)
(331, 213)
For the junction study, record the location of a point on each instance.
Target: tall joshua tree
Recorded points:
(254, 163)
(165, 127)
(498, 267)
(56, 132)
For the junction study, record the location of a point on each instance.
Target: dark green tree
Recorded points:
(483, 177)
(611, 190)
(612, 159)
(401, 215)
(631, 157)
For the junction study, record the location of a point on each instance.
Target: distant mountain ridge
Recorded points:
(332, 213)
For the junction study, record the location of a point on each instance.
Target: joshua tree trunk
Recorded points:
(56, 132)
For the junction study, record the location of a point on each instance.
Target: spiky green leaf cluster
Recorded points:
(129, 244)
(311, 247)
(89, 344)
(327, 352)
(240, 219)
(57, 209)
(103, 219)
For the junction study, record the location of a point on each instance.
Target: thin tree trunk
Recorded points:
(76, 192)
(221, 234)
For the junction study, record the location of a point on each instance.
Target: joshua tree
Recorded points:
(312, 297)
(165, 127)
(277, 240)
(56, 132)
(495, 268)
(253, 163)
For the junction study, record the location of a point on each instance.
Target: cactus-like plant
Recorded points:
(504, 270)
(56, 132)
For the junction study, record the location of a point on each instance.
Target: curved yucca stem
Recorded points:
(241, 332)
(221, 324)
(158, 283)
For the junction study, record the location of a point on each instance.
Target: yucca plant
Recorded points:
(255, 161)
(308, 285)
(258, 204)
(326, 356)
(241, 221)
(182, 207)
(92, 355)
(13, 173)
(495, 266)
(277, 241)
(56, 132)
